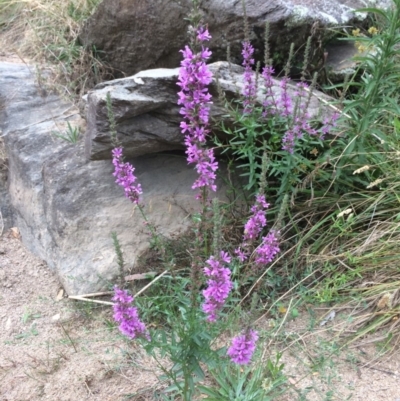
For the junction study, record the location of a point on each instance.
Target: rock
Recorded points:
(56, 317)
(66, 207)
(340, 60)
(135, 35)
(146, 113)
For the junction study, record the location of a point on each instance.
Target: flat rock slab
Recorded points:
(147, 116)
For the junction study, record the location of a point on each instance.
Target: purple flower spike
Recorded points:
(328, 124)
(257, 221)
(127, 315)
(269, 104)
(194, 77)
(243, 347)
(285, 101)
(249, 90)
(269, 247)
(219, 285)
(125, 177)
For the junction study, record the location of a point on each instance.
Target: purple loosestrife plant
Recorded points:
(188, 342)
(219, 285)
(125, 177)
(127, 315)
(243, 347)
(194, 77)
(280, 125)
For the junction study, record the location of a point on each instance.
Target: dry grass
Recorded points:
(47, 31)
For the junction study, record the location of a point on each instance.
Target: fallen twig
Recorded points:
(95, 301)
(85, 297)
(95, 294)
(151, 283)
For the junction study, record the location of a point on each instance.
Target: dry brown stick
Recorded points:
(151, 283)
(388, 372)
(80, 298)
(84, 296)
(95, 294)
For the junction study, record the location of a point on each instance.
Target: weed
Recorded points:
(29, 315)
(71, 134)
(27, 334)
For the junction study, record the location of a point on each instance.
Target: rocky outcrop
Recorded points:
(134, 35)
(147, 116)
(66, 207)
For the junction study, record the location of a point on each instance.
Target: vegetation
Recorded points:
(47, 31)
(333, 210)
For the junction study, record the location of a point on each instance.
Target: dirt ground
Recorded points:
(54, 348)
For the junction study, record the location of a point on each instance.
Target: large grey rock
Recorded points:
(135, 35)
(146, 113)
(66, 207)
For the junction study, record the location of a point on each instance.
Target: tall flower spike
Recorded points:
(243, 347)
(253, 227)
(125, 177)
(194, 77)
(249, 89)
(269, 103)
(219, 285)
(269, 247)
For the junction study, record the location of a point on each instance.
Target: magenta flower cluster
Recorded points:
(258, 219)
(127, 315)
(194, 77)
(301, 118)
(328, 124)
(252, 230)
(269, 247)
(125, 177)
(249, 89)
(269, 104)
(219, 285)
(243, 347)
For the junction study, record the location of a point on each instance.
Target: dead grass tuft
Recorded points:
(47, 31)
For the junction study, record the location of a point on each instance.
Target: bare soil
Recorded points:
(53, 348)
